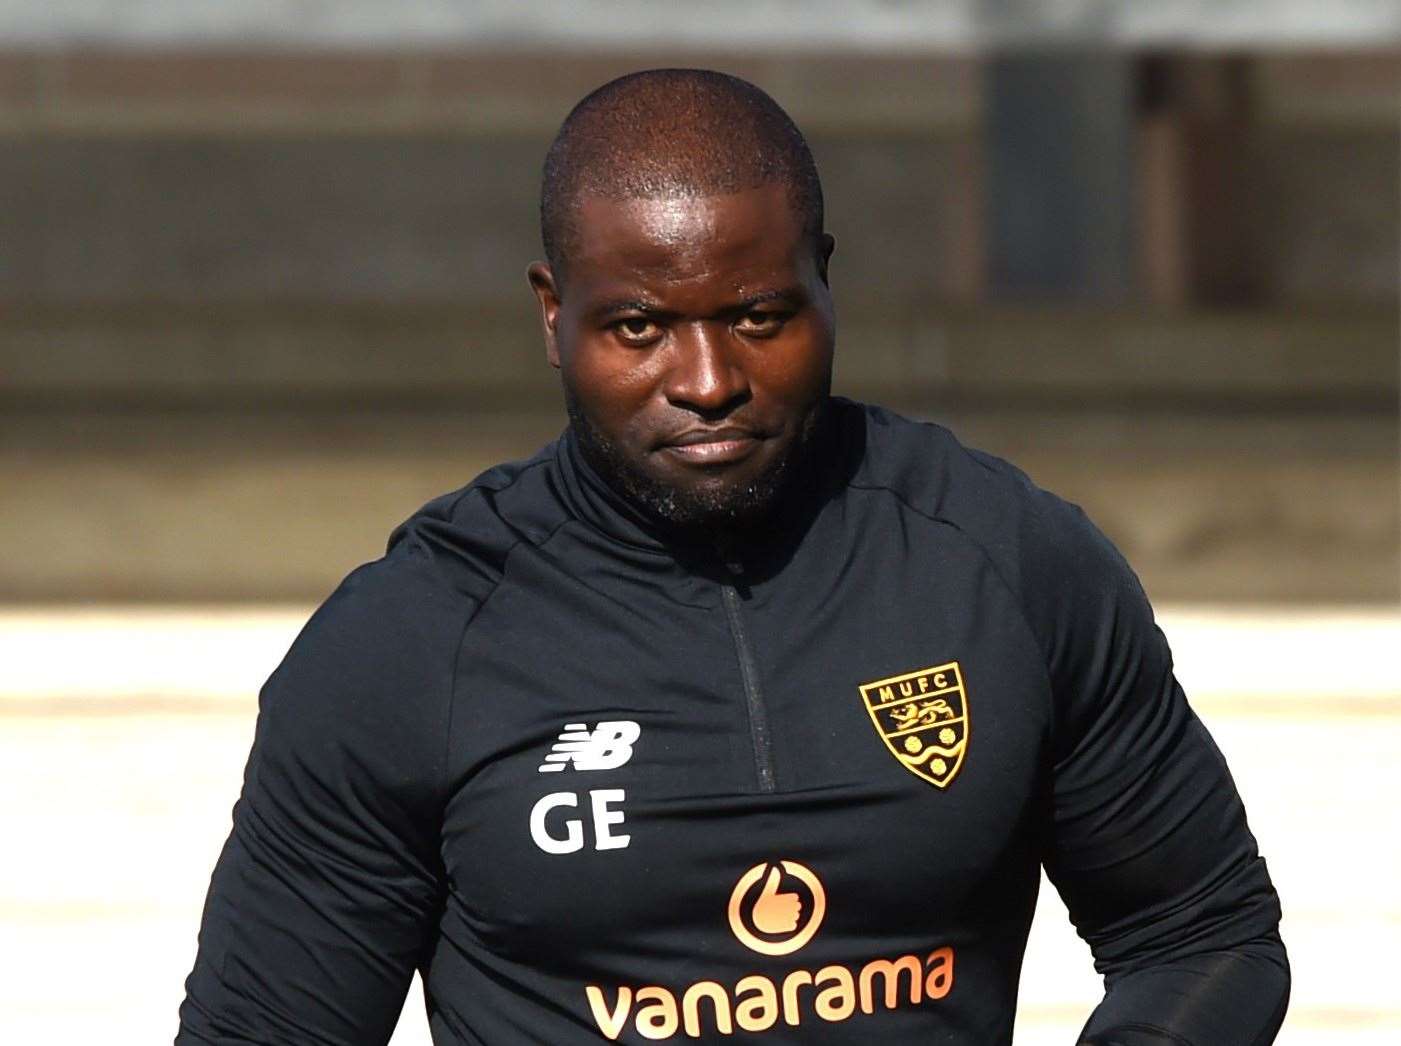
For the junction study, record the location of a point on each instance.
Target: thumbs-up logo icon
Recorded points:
(776, 907)
(776, 913)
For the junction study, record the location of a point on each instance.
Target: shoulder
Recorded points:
(1028, 533)
(370, 680)
(462, 540)
(440, 565)
(1073, 586)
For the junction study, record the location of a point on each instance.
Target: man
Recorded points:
(738, 710)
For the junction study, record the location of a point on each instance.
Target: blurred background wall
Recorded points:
(262, 293)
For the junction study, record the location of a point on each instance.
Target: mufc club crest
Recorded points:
(922, 717)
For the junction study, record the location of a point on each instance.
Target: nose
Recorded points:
(705, 376)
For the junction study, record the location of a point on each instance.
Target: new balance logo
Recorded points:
(606, 747)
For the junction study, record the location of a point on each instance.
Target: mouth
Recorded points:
(722, 446)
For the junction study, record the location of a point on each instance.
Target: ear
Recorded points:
(542, 282)
(825, 246)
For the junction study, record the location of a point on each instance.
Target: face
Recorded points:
(694, 338)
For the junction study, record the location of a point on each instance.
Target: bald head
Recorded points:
(672, 133)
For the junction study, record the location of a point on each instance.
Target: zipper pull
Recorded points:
(737, 583)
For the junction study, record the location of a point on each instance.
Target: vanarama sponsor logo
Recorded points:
(758, 1002)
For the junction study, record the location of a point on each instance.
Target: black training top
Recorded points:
(597, 783)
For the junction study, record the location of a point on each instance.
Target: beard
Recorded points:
(725, 508)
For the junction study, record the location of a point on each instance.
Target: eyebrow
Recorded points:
(609, 307)
(792, 295)
(605, 308)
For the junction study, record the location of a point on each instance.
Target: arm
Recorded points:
(1150, 848)
(328, 890)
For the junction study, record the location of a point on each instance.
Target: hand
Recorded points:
(776, 912)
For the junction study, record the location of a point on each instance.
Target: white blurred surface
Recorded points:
(125, 732)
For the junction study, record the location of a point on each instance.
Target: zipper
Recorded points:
(754, 698)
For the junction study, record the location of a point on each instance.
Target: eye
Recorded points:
(636, 330)
(762, 323)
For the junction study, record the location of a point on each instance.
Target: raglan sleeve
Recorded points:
(330, 885)
(1148, 842)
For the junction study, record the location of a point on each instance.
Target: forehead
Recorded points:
(732, 238)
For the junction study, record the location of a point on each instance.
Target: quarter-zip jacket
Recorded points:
(599, 783)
